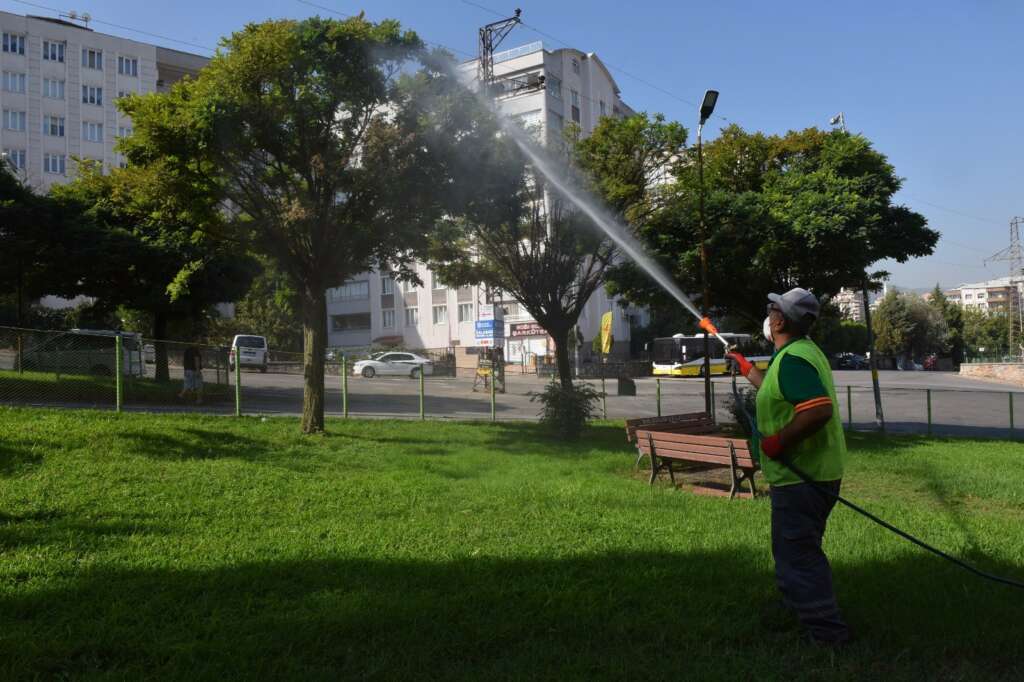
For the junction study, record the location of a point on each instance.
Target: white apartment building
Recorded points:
(372, 309)
(60, 81)
(995, 295)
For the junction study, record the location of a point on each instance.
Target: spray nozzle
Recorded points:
(707, 325)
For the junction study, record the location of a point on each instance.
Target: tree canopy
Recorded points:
(810, 208)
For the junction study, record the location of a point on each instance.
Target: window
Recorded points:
(123, 131)
(440, 314)
(412, 317)
(465, 312)
(604, 108)
(92, 59)
(981, 295)
(387, 285)
(350, 291)
(510, 309)
(128, 66)
(574, 98)
(54, 163)
(14, 82)
(14, 120)
(408, 287)
(968, 295)
(555, 120)
(350, 323)
(53, 88)
(16, 158)
(92, 132)
(14, 43)
(575, 65)
(53, 126)
(554, 86)
(388, 319)
(92, 95)
(576, 114)
(438, 284)
(53, 51)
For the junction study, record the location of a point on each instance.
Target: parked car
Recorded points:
(851, 361)
(86, 351)
(251, 351)
(394, 364)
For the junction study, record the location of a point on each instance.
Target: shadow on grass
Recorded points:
(16, 459)
(648, 615)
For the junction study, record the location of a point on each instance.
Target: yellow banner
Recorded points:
(606, 332)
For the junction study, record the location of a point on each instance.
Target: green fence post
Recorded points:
(929, 393)
(238, 387)
(849, 408)
(494, 404)
(657, 384)
(344, 386)
(118, 372)
(1011, 412)
(604, 397)
(422, 413)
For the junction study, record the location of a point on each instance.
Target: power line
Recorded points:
(956, 212)
(140, 31)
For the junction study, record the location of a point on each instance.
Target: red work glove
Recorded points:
(771, 446)
(744, 364)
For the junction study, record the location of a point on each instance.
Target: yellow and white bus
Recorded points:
(683, 356)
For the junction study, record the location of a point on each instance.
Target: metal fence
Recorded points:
(79, 370)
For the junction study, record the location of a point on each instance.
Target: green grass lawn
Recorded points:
(196, 547)
(99, 390)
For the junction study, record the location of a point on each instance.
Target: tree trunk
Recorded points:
(162, 373)
(314, 333)
(561, 338)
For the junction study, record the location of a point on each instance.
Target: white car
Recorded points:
(394, 364)
(251, 351)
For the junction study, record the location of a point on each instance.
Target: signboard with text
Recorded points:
(521, 329)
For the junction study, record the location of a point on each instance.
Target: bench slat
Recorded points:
(691, 439)
(711, 459)
(668, 446)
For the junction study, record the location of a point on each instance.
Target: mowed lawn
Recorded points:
(191, 547)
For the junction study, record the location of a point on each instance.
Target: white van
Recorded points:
(251, 351)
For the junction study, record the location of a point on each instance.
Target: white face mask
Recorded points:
(767, 329)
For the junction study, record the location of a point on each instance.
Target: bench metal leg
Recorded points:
(671, 473)
(639, 457)
(655, 467)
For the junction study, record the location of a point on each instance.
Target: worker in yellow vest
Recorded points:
(798, 421)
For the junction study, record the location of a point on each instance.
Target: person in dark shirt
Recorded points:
(193, 365)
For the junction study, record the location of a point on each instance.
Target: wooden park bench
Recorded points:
(667, 448)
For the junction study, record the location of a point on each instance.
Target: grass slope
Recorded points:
(195, 547)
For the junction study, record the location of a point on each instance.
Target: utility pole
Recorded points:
(872, 360)
(491, 36)
(1014, 255)
(706, 108)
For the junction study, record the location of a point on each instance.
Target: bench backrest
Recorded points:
(691, 422)
(695, 448)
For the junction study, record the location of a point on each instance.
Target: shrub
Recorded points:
(748, 402)
(566, 410)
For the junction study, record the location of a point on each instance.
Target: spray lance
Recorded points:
(710, 328)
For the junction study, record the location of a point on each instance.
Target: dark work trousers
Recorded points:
(802, 572)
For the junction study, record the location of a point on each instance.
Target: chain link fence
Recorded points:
(79, 369)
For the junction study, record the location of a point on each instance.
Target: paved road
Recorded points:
(959, 405)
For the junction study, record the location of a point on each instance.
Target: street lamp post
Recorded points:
(707, 107)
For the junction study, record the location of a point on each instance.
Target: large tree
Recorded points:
(157, 252)
(952, 314)
(42, 243)
(906, 326)
(810, 208)
(305, 130)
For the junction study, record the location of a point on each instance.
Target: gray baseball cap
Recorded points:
(796, 304)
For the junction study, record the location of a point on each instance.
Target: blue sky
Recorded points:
(937, 86)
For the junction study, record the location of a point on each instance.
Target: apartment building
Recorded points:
(60, 83)
(995, 295)
(373, 309)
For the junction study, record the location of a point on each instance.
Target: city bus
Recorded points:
(683, 356)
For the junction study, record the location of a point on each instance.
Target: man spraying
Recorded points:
(798, 421)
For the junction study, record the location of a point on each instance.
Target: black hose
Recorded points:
(863, 512)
